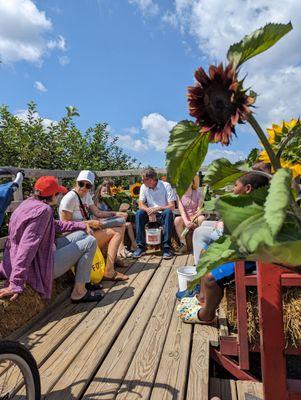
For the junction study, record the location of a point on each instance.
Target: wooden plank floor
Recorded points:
(129, 346)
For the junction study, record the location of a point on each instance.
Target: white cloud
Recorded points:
(231, 155)
(127, 142)
(39, 86)
(275, 74)
(59, 43)
(148, 7)
(23, 115)
(64, 60)
(154, 134)
(24, 32)
(132, 130)
(157, 130)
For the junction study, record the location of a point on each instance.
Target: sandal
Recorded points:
(189, 315)
(91, 286)
(191, 301)
(117, 277)
(89, 297)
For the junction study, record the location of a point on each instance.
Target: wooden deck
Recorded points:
(130, 345)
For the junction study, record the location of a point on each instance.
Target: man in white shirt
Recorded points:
(156, 203)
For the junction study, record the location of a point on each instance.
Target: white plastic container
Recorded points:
(153, 236)
(185, 275)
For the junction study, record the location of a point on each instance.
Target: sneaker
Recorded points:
(188, 292)
(138, 252)
(167, 254)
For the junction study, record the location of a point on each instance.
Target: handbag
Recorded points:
(98, 267)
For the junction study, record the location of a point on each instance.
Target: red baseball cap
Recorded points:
(48, 186)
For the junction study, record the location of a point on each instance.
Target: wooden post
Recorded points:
(242, 317)
(272, 340)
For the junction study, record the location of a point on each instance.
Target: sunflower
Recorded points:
(218, 102)
(291, 155)
(115, 190)
(135, 189)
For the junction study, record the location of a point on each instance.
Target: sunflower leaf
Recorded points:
(219, 252)
(278, 200)
(185, 153)
(257, 42)
(221, 173)
(252, 233)
(234, 210)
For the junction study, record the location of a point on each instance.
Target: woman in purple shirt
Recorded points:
(33, 256)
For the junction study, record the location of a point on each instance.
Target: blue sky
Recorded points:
(129, 62)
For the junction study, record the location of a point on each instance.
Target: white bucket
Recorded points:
(153, 236)
(185, 275)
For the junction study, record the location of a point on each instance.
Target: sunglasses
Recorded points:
(84, 184)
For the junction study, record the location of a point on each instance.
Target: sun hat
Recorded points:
(86, 176)
(48, 186)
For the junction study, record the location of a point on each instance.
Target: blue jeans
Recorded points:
(166, 218)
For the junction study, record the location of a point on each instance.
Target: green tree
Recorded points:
(30, 143)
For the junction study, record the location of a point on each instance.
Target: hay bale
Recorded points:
(291, 297)
(14, 314)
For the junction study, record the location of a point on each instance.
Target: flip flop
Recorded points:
(89, 297)
(115, 278)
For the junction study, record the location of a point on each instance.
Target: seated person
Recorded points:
(190, 217)
(77, 204)
(156, 203)
(105, 190)
(32, 254)
(192, 310)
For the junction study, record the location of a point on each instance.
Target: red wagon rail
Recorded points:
(234, 352)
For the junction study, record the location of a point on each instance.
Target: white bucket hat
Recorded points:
(86, 176)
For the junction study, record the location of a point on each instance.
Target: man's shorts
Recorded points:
(224, 274)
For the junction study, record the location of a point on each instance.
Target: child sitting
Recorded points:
(190, 217)
(191, 310)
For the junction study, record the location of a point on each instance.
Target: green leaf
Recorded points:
(252, 233)
(221, 173)
(278, 200)
(257, 42)
(253, 156)
(186, 150)
(285, 253)
(210, 205)
(219, 252)
(236, 209)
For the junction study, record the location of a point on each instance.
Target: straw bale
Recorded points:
(14, 314)
(291, 313)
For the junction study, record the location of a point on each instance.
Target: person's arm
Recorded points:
(183, 213)
(70, 226)
(105, 214)
(170, 205)
(27, 250)
(142, 202)
(171, 199)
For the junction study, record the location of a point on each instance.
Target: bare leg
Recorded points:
(200, 220)
(213, 296)
(130, 231)
(112, 238)
(179, 225)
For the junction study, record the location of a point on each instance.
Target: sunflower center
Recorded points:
(217, 101)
